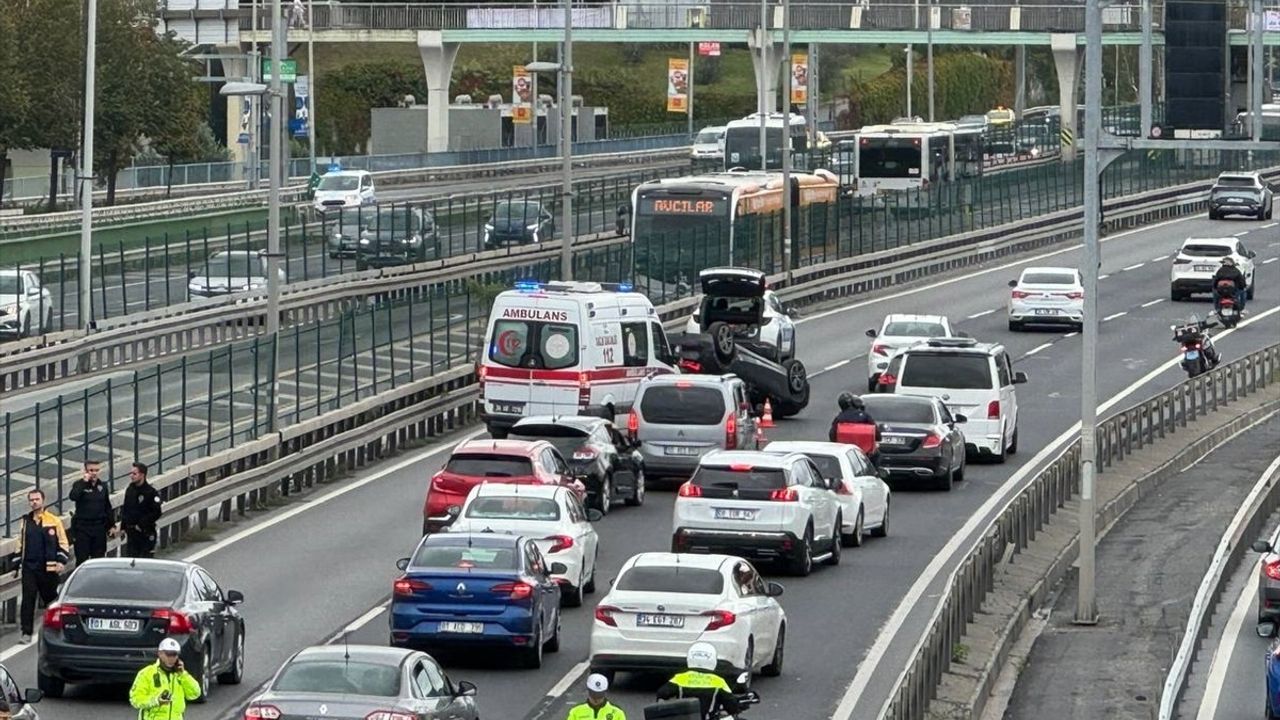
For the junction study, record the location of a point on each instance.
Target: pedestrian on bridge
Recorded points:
(94, 518)
(42, 553)
(139, 514)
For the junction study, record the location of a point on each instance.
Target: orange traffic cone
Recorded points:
(767, 420)
(761, 440)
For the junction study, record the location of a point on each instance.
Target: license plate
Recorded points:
(655, 620)
(735, 514)
(680, 450)
(893, 441)
(1204, 268)
(1228, 311)
(508, 408)
(462, 627)
(114, 625)
(1192, 355)
(1046, 311)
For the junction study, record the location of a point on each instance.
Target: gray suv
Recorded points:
(1240, 193)
(679, 418)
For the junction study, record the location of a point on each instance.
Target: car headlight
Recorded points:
(364, 241)
(488, 228)
(414, 240)
(10, 309)
(532, 228)
(257, 285)
(535, 236)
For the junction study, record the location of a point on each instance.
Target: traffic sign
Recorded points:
(288, 70)
(243, 139)
(710, 49)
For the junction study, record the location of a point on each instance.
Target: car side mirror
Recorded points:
(791, 312)
(402, 563)
(1265, 630)
(883, 473)
(33, 292)
(234, 597)
(1252, 254)
(959, 419)
(1019, 378)
(559, 568)
(773, 589)
(594, 515)
(453, 511)
(466, 689)
(872, 333)
(1261, 546)
(191, 275)
(31, 696)
(1013, 283)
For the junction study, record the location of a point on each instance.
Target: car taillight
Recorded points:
(513, 590)
(841, 488)
(1181, 261)
(887, 379)
(933, 441)
(690, 490)
(179, 623)
(404, 587)
(719, 619)
(731, 432)
(584, 390)
(559, 542)
(1272, 569)
(1074, 295)
(54, 613)
(692, 366)
(435, 482)
(604, 614)
(584, 453)
(633, 423)
(879, 349)
(993, 410)
(389, 715)
(785, 495)
(262, 712)
(1019, 294)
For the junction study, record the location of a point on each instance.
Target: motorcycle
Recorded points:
(1198, 353)
(691, 708)
(1224, 303)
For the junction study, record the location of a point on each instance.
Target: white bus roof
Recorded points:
(731, 179)
(904, 130)
(773, 120)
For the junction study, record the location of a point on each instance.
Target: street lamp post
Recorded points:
(565, 69)
(86, 168)
(928, 30)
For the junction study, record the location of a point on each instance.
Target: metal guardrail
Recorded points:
(1250, 520)
(1013, 530)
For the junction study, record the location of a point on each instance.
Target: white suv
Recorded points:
(740, 297)
(973, 379)
(760, 506)
(898, 332)
(1199, 259)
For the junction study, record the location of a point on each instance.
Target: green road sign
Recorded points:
(288, 70)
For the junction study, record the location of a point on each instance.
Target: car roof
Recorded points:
(1239, 173)
(750, 273)
(477, 539)
(806, 446)
(509, 490)
(378, 653)
(973, 348)
(755, 458)
(1224, 241)
(489, 446)
(583, 422)
(905, 317)
(140, 563)
(879, 398)
(1048, 269)
(665, 559)
(352, 173)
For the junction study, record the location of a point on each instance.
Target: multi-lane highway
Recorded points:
(852, 626)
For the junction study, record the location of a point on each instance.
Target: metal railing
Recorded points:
(1013, 530)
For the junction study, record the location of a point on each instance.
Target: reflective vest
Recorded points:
(608, 711)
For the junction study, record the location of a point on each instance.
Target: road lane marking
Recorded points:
(1116, 315)
(1158, 259)
(833, 366)
(1268, 262)
(1157, 301)
(1103, 277)
(1073, 333)
(887, 635)
(365, 619)
(980, 314)
(1038, 348)
(1132, 267)
(1242, 233)
(569, 680)
(836, 365)
(1226, 648)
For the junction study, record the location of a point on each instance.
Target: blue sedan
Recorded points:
(477, 590)
(1273, 681)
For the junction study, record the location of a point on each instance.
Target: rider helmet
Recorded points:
(702, 656)
(846, 400)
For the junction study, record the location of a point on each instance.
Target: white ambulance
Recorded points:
(568, 348)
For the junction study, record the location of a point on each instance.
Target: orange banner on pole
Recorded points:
(678, 85)
(521, 96)
(799, 79)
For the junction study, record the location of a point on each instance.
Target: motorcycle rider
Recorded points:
(1228, 271)
(701, 682)
(854, 412)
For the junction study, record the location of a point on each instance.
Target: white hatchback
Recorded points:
(553, 516)
(1047, 296)
(661, 603)
(901, 331)
(860, 488)
(1199, 259)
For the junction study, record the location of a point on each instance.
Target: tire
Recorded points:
(854, 539)
(203, 675)
(532, 656)
(1000, 458)
(945, 481)
(1175, 296)
(1013, 444)
(774, 668)
(637, 493)
(25, 331)
(51, 686)
(553, 645)
(496, 433)
(604, 498)
(871, 384)
(748, 661)
(722, 343)
(1015, 326)
(960, 473)
(834, 560)
(1213, 215)
(802, 564)
(883, 530)
(1248, 294)
(589, 586)
(1263, 214)
(571, 595)
(797, 381)
(236, 673)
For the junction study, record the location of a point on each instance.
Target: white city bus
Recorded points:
(742, 141)
(893, 158)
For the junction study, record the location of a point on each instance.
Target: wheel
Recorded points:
(604, 498)
(1175, 296)
(854, 539)
(748, 667)
(774, 668)
(1213, 215)
(637, 494)
(871, 383)
(999, 458)
(590, 585)
(1015, 326)
(48, 322)
(960, 472)
(532, 656)
(553, 645)
(945, 481)
(722, 342)
(802, 564)
(797, 380)
(236, 673)
(883, 530)
(1013, 444)
(51, 686)
(571, 595)
(204, 676)
(26, 326)
(834, 559)
(1248, 294)
(497, 433)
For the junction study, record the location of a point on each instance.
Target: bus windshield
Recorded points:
(889, 158)
(742, 146)
(688, 213)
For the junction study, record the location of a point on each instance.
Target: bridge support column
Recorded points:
(437, 59)
(762, 46)
(1020, 80)
(1066, 59)
(235, 66)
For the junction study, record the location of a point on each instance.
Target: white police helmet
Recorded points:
(702, 656)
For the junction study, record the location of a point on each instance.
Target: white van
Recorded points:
(341, 189)
(568, 349)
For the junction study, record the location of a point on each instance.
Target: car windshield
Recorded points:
(708, 137)
(453, 555)
(526, 211)
(1047, 278)
(144, 584)
(740, 477)
(384, 219)
(953, 371)
(891, 409)
(489, 465)
(339, 183)
(234, 264)
(10, 285)
(339, 677)
(565, 438)
(513, 507)
(676, 579)
(914, 328)
(675, 405)
(1207, 250)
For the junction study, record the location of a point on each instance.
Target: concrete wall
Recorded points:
(393, 131)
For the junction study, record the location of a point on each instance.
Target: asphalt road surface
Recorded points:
(853, 626)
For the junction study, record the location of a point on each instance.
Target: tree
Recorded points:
(49, 46)
(15, 98)
(175, 125)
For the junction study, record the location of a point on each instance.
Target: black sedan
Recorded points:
(518, 222)
(112, 614)
(920, 440)
(353, 682)
(593, 447)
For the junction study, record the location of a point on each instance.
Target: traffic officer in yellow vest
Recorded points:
(700, 681)
(597, 706)
(162, 689)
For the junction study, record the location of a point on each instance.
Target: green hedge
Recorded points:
(964, 83)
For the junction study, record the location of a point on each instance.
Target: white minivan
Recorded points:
(341, 189)
(568, 348)
(973, 379)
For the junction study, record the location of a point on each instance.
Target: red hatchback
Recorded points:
(502, 461)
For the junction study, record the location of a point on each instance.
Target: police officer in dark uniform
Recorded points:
(94, 517)
(139, 514)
